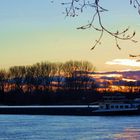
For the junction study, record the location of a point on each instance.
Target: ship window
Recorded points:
(112, 106)
(116, 106)
(121, 106)
(126, 106)
(107, 106)
(101, 107)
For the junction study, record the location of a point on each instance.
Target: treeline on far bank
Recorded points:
(48, 83)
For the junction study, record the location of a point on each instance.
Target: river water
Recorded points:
(35, 127)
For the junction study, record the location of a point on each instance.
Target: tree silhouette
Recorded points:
(17, 75)
(75, 7)
(2, 80)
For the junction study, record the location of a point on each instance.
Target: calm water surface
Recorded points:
(24, 127)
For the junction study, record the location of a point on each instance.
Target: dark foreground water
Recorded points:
(24, 127)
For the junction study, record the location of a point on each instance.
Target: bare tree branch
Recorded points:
(75, 7)
(136, 4)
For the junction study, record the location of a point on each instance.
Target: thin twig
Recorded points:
(74, 7)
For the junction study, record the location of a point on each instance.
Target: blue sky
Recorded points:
(36, 30)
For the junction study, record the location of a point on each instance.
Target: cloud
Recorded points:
(124, 62)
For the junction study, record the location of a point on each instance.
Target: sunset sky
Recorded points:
(36, 30)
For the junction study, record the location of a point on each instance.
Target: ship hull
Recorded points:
(80, 111)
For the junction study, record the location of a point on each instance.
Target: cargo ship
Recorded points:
(110, 105)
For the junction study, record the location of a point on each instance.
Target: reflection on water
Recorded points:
(129, 134)
(23, 127)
